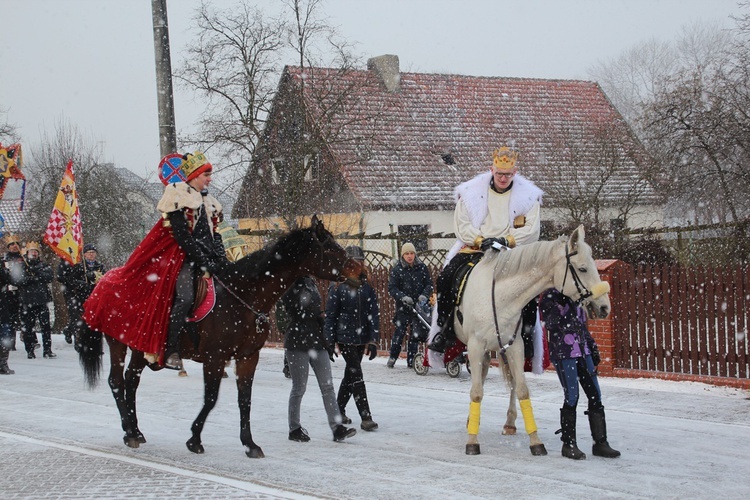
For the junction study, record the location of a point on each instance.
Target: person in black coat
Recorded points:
(409, 284)
(575, 355)
(353, 322)
(306, 346)
(78, 282)
(34, 295)
(8, 312)
(12, 261)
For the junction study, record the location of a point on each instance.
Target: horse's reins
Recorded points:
(505, 347)
(260, 317)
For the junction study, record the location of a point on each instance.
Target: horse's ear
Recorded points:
(317, 225)
(578, 235)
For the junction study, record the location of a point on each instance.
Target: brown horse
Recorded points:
(236, 328)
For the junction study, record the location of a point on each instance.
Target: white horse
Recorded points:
(495, 293)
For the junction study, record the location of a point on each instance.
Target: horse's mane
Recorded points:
(285, 249)
(522, 258)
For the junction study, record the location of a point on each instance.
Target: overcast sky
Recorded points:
(91, 62)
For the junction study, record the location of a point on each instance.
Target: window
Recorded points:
(415, 234)
(312, 167)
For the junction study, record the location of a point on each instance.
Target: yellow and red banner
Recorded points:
(64, 233)
(11, 160)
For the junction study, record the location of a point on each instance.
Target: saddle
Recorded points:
(459, 282)
(205, 298)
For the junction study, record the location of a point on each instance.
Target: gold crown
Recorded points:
(194, 161)
(504, 158)
(32, 245)
(12, 238)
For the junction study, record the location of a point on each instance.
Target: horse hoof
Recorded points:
(509, 430)
(538, 450)
(472, 449)
(255, 453)
(141, 438)
(194, 447)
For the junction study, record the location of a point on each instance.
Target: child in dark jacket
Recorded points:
(353, 322)
(575, 355)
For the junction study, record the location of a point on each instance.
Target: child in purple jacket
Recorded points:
(575, 355)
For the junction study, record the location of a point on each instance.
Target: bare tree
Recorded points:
(111, 217)
(8, 133)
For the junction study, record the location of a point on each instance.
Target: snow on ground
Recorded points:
(678, 439)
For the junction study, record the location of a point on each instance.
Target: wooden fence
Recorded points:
(691, 321)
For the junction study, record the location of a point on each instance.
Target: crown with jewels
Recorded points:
(504, 158)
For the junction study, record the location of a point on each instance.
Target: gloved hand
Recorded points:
(422, 299)
(595, 356)
(331, 353)
(407, 300)
(213, 266)
(488, 242)
(372, 351)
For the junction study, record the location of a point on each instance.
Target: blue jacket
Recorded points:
(410, 281)
(352, 315)
(565, 322)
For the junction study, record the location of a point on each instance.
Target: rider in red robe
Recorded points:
(145, 303)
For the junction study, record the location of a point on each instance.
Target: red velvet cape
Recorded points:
(132, 303)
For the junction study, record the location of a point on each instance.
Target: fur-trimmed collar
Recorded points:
(181, 195)
(523, 195)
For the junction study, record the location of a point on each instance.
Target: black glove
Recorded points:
(331, 353)
(595, 356)
(213, 266)
(407, 300)
(372, 350)
(488, 242)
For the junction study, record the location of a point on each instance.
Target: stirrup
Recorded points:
(173, 362)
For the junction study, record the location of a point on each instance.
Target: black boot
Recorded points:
(568, 430)
(443, 339)
(4, 368)
(528, 315)
(598, 424)
(172, 353)
(363, 406)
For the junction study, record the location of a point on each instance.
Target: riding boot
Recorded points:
(4, 368)
(598, 424)
(528, 315)
(568, 430)
(443, 339)
(172, 353)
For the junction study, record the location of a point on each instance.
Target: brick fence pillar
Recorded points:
(603, 329)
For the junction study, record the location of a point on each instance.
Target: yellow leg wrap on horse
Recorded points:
(528, 415)
(472, 426)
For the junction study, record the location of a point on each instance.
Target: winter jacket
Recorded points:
(12, 265)
(79, 280)
(565, 323)
(408, 281)
(352, 315)
(33, 284)
(302, 306)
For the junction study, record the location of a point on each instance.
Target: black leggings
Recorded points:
(353, 383)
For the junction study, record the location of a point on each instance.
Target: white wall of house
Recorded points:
(386, 222)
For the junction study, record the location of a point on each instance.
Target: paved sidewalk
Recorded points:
(32, 468)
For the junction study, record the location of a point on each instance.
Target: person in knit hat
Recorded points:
(410, 285)
(158, 278)
(496, 209)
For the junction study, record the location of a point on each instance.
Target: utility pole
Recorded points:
(165, 100)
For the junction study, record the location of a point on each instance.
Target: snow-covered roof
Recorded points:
(431, 120)
(15, 221)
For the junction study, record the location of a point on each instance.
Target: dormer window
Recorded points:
(448, 158)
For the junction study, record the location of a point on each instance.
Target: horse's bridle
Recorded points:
(583, 292)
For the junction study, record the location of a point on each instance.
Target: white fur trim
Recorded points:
(523, 196)
(180, 195)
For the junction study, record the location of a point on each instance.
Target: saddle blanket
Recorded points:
(205, 299)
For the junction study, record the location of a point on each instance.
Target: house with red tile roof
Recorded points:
(392, 146)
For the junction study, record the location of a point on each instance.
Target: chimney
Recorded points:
(386, 67)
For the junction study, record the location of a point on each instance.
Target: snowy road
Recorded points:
(678, 440)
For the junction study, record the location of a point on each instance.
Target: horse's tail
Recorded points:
(89, 347)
